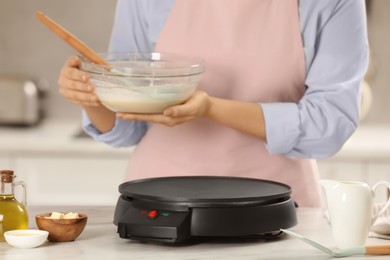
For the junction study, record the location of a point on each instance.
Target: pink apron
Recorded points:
(253, 52)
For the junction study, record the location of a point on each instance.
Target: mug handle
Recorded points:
(380, 212)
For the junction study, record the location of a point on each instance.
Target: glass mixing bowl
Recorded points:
(144, 82)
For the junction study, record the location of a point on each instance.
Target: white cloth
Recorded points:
(381, 227)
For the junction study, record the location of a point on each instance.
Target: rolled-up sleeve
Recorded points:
(123, 134)
(336, 60)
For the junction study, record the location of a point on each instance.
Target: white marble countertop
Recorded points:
(58, 136)
(99, 240)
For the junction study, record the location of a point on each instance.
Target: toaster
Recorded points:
(21, 101)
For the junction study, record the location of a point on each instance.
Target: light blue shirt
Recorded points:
(334, 34)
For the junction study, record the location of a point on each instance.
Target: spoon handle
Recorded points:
(72, 40)
(378, 250)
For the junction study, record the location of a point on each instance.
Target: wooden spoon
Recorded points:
(72, 40)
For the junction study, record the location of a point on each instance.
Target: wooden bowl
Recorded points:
(61, 230)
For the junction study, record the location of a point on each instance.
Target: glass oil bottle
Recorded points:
(14, 212)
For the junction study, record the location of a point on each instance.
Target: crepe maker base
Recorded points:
(175, 209)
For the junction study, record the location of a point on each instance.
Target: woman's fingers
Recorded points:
(75, 74)
(79, 96)
(77, 92)
(181, 110)
(73, 78)
(195, 106)
(74, 84)
(71, 70)
(73, 61)
(67, 83)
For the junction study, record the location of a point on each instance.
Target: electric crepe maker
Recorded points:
(175, 209)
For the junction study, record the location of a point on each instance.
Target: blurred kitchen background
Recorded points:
(27, 47)
(59, 167)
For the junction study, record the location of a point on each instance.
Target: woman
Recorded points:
(281, 87)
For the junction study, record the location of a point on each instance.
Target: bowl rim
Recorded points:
(38, 232)
(47, 214)
(127, 65)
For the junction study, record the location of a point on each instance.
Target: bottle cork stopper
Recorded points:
(6, 176)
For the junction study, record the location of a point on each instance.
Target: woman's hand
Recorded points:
(246, 117)
(195, 107)
(74, 85)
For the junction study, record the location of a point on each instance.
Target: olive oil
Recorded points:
(25, 235)
(14, 213)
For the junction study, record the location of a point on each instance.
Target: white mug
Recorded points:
(350, 207)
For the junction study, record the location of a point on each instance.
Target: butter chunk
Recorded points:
(56, 215)
(71, 215)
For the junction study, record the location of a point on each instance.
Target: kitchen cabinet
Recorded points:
(342, 170)
(61, 169)
(64, 180)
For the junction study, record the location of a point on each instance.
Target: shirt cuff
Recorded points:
(282, 125)
(123, 134)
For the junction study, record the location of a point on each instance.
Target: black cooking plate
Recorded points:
(174, 209)
(205, 191)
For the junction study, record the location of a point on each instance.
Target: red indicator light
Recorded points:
(152, 214)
